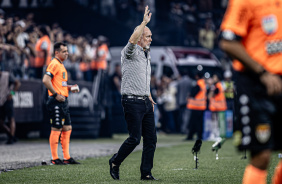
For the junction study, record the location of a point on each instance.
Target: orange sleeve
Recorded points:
(53, 68)
(237, 17)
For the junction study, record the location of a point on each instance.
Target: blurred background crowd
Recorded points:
(91, 27)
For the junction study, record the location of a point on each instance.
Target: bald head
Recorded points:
(146, 38)
(146, 27)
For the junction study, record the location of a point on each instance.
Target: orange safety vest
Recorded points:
(101, 62)
(218, 101)
(40, 59)
(84, 66)
(200, 100)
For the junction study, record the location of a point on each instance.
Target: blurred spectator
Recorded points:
(102, 55)
(184, 85)
(115, 83)
(228, 86)
(207, 36)
(30, 50)
(8, 87)
(197, 105)
(154, 94)
(29, 21)
(216, 96)
(217, 105)
(2, 14)
(20, 36)
(72, 68)
(84, 66)
(168, 99)
(43, 52)
(9, 23)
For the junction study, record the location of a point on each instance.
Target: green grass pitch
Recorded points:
(172, 164)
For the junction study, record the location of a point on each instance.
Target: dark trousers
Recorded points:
(196, 124)
(139, 117)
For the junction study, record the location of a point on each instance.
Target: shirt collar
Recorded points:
(141, 49)
(59, 60)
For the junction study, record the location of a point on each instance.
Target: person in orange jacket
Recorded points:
(101, 56)
(43, 52)
(197, 103)
(217, 104)
(217, 101)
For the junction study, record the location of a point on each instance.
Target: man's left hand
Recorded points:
(74, 88)
(152, 101)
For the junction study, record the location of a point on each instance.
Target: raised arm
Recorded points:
(135, 37)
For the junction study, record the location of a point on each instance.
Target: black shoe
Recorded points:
(10, 141)
(15, 139)
(71, 161)
(114, 170)
(57, 162)
(148, 177)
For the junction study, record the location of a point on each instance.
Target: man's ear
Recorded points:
(140, 38)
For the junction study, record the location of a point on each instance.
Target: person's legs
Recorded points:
(2, 120)
(149, 141)
(277, 127)
(134, 111)
(54, 141)
(192, 125)
(256, 171)
(199, 124)
(10, 115)
(56, 128)
(254, 127)
(5, 128)
(12, 126)
(65, 141)
(7, 110)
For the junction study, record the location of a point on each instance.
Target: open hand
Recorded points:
(152, 101)
(147, 15)
(272, 83)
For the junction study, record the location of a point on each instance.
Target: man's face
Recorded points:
(63, 53)
(146, 38)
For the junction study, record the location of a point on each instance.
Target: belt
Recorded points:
(134, 97)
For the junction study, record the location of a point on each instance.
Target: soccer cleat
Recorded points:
(71, 161)
(57, 162)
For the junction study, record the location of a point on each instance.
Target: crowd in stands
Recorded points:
(20, 35)
(199, 19)
(194, 22)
